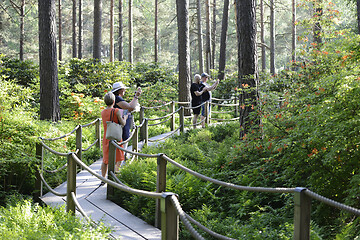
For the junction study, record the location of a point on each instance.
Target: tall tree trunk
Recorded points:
(262, 36)
(200, 39)
(156, 31)
(317, 25)
(247, 60)
(131, 51)
(213, 36)
(80, 39)
(111, 30)
(22, 31)
(358, 14)
(74, 44)
(224, 27)
(49, 89)
(120, 41)
(272, 37)
(182, 9)
(60, 30)
(208, 36)
(293, 32)
(97, 30)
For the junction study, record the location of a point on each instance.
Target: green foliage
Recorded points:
(25, 220)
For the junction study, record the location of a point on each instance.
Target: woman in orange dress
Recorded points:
(109, 100)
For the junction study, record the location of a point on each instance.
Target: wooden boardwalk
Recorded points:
(92, 198)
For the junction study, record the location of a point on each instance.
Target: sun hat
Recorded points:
(204, 74)
(117, 86)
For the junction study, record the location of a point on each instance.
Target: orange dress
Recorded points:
(105, 116)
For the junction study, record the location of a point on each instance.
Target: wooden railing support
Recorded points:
(160, 187)
(38, 183)
(146, 132)
(71, 183)
(169, 218)
(182, 119)
(302, 211)
(172, 121)
(135, 141)
(79, 142)
(207, 112)
(111, 168)
(98, 133)
(141, 119)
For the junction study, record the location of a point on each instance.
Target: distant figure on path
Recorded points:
(207, 94)
(118, 117)
(196, 97)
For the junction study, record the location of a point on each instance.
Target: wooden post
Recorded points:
(38, 183)
(169, 218)
(182, 119)
(172, 121)
(160, 187)
(79, 142)
(111, 168)
(135, 144)
(207, 114)
(141, 119)
(71, 183)
(302, 211)
(146, 132)
(98, 133)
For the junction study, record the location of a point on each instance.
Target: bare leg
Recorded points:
(103, 169)
(195, 120)
(202, 121)
(117, 166)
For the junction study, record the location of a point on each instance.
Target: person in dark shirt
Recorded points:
(196, 97)
(207, 94)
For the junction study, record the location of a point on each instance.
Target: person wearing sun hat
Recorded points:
(206, 96)
(119, 90)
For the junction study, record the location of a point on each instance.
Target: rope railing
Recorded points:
(160, 106)
(168, 115)
(52, 150)
(63, 136)
(86, 149)
(80, 209)
(165, 137)
(155, 124)
(224, 105)
(51, 189)
(91, 123)
(56, 170)
(225, 120)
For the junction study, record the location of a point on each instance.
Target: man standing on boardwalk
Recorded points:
(206, 96)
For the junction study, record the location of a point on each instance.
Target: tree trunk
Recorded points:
(156, 32)
(182, 8)
(317, 26)
(199, 33)
(60, 31)
(131, 51)
(293, 39)
(120, 41)
(74, 44)
(272, 37)
(358, 14)
(22, 31)
(224, 27)
(262, 36)
(111, 30)
(213, 36)
(208, 36)
(49, 89)
(97, 30)
(247, 60)
(80, 39)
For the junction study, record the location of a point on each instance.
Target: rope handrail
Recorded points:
(332, 202)
(205, 229)
(141, 124)
(195, 106)
(171, 133)
(220, 119)
(155, 107)
(229, 185)
(182, 103)
(91, 123)
(86, 149)
(225, 112)
(220, 99)
(56, 170)
(224, 105)
(184, 219)
(155, 124)
(116, 185)
(81, 210)
(130, 137)
(63, 136)
(134, 153)
(196, 124)
(53, 151)
(51, 189)
(168, 115)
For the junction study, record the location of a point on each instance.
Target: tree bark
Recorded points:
(247, 60)
(262, 36)
(224, 27)
(182, 8)
(22, 31)
(49, 89)
(131, 51)
(80, 39)
(60, 30)
(208, 37)
(200, 39)
(358, 14)
(120, 40)
(272, 37)
(111, 30)
(213, 36)
(97, 30)
(317, 26)
(156, 32)
(74, 44)
(293, 39)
